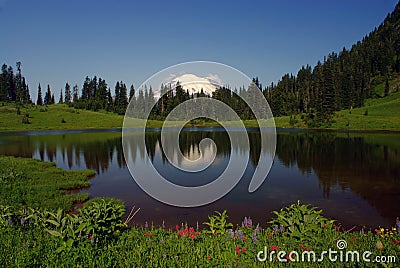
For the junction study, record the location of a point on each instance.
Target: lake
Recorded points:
(353, 177)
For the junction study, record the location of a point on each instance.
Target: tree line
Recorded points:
(342, 80)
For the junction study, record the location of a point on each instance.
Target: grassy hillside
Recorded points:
(381, 113)
(58, 116)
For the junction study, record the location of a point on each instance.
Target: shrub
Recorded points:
(218, 223)
(302, 222)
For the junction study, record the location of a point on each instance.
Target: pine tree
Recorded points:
(61, 100)
(48, 96)
(39, 99)
(131, 92)
(75, 91)
(67, 94)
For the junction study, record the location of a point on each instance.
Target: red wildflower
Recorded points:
(244, 250)
(270, 235)
(301, 245)
(177, 227)
(180, 233)
(192, 236)
(354, 239)
(324, 225)
(191, 230)
(237, 250)
(208, 256)
(274, 248)
(377, 231)
(146, 234)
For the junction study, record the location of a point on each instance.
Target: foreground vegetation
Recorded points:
(34, 232)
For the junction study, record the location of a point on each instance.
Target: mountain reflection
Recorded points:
(367, 164)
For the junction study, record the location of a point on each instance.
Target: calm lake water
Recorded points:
(353, 177)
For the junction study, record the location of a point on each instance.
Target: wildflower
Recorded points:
(395, 242)
(192, 236)
(208, 256)
(254, 237)
(9, 220)
(177, 227)
(270, 235)
(164, 255)
(379, 245)
(377, 231)
(354, 239)
(146, 234)
(244, 222)
(146, 225)
(398, 224)
(22, 221)
(301, 245)
(273, 248)
(244, 250)
(239, 233)
(324, 225)
(191, 230)
(257, 230)
(232, 235)
(282, 228)
(237, 249)
(275, 229)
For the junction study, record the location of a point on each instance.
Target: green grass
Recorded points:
(382, 113)
(51, 117)
(30, 182)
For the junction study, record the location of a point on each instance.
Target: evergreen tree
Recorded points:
(67, 97)
(61, 99)
(48, 96)
(75, 91)
(39, 99)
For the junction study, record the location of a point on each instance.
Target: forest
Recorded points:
(341, 81)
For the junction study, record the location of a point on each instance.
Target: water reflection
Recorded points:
(354, 177)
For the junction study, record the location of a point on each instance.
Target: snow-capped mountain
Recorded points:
(194, 83)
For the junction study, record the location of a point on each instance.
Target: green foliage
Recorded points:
(218, 223)
(302, 222)
(101, 217)
(30, 182)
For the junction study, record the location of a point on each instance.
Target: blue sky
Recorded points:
(60, 41)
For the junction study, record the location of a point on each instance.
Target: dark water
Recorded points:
(353, 177)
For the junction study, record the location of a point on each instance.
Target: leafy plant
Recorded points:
(102, 217)
(63, 226)
(218, 223)
(302, 222)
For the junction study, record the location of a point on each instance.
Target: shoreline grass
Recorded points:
(377, 114)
